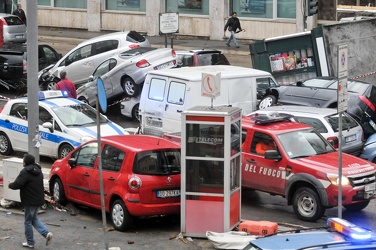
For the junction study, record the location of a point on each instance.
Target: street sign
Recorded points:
(342, 78)
(102, 97)
(168, 22)
(211, 85)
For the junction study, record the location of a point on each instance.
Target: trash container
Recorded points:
(12, 167)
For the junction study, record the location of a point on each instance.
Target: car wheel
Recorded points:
(120, 217)
(307, 205)
(130, 87)
(57, 192)
(267, 101)
(135, 112)
(83, 99)
(357, 206)
(5, 145)
(64, 150)
(51, 85)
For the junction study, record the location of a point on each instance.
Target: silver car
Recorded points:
(14, 30)
(125, 73)
(326, 122)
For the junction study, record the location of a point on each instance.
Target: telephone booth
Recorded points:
(211, 176)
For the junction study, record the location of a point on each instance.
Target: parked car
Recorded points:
(192, 58)
(369, 149)
(13, 63)
(64, 123)
(141, 177)
(322, 92)
(14, 30)
(130, 107)
(81, 61)
(124, 74)
(326, 122)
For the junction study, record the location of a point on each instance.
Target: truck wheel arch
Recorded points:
(300, 180)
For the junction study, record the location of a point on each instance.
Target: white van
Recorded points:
(167, 93)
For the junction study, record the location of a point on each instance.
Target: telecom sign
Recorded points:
(342, 78)
(168, 22)
(211, 85)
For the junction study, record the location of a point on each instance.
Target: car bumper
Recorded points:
(349, 195)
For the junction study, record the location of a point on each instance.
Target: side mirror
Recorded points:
(72, 162)
(91, 78)
(49, 126)
(272, 155)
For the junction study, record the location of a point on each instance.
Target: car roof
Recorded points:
(114, 35)
(195, 73)
(51, 102)
(279, 126)
(303, 110)
(6, 14)
(139, 143)
(198, 51)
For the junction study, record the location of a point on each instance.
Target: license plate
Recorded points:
(370, 187)
(166, 65)
(19, 36)
(168, 193)
(373, 125)
(154, 123)
(350, 138)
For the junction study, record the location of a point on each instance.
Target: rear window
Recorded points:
(157, 162)
(13, 20)
(134, 36)
(314, 122)
(212, 59)
(347, 122)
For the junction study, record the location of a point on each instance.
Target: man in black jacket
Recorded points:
(20, 13)
(233, 24)
(30, 183)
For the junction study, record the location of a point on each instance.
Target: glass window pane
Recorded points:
(205, 176)
(176, 93)
(157, 88)
(286, 9)
(126, 5)
(205, 140)
(77, 4)
(200, 7)
(253, 8)
(44, 2)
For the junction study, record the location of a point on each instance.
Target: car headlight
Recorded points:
(334, 179)
(85, 139)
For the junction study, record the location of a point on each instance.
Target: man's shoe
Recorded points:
(48, 238)
(237, 46)
(228, 45)
(25, 244)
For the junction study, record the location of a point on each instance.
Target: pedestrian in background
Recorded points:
(233, 24)
(20, 13)
(67, 85)
(30, 183)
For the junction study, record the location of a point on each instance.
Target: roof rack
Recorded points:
(271, 118)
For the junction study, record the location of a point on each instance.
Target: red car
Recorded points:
(141, 177)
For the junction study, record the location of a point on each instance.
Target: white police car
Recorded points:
(64, 123)
(340, 234)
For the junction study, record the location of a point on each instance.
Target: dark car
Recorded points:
(192, 58)
(13, 63)
(322, 92)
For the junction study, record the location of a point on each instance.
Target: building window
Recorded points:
(77, 4)
(200, 7)
(264, 8)
(126, 5)
(44, 2)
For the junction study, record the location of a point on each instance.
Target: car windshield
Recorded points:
(78, 115)
(157, 162)
(212, 59)
(304, 143)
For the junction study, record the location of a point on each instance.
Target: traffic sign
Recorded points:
(168, 22)
(211, 85)
(102, 98)
(342, 78)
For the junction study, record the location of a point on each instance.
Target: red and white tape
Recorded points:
(4, 97)
(361, 76)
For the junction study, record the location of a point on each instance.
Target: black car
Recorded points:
(322, 92)
(192, 58)
(13, 63)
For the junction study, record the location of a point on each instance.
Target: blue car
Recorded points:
(369, 149)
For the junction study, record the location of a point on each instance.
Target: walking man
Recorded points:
(67, 85)
(30, 183)
(20, 13)
(233, 24)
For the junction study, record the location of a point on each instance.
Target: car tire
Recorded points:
(267, 101)
(83, 99)
(51, 85)
(130, 87)
(307, 205)
(357, 206)
(135, 112)
(120, 217)
(64, 150)
(57, 192)
(5, 145)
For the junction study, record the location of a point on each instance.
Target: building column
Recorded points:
(153, 8)
(93, 15)
(217, 10)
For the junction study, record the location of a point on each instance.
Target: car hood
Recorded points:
(109, 128)
(351, 165)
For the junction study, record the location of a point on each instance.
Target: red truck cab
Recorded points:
(302, 167)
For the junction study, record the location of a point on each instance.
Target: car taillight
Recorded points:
(142, 64)
(173, 53)
(24, 66)
(134, 183)
(367, 102)
(134, 46)
(333, 140)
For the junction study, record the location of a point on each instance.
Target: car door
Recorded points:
(47, 142)
(79, 177)
(103, 71)
(174, 105)
(260, 173)
(46, 56)
(296, 95)
(17, 126)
